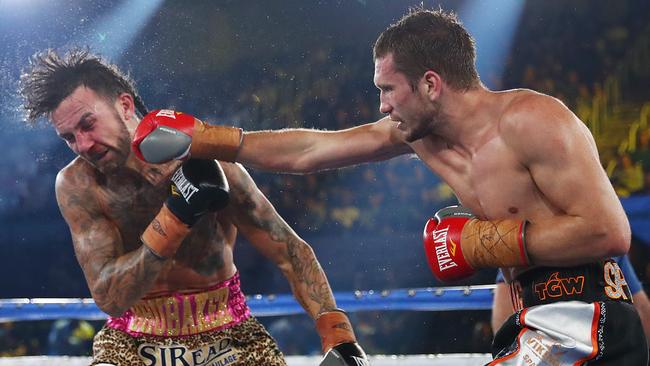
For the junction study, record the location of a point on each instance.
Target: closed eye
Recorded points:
(87, 124)
(67, 137)
(385, 88)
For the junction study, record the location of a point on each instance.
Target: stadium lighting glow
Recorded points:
(493, 25)
(112, 35)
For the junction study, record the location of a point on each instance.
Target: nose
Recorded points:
(384, 107)
(83, 142)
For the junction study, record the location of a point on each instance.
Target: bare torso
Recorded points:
(130, 201)
(491, 181)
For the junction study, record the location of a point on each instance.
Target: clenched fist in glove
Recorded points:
(457, 243)
(339, 343)
(197, 187)
(165, 135)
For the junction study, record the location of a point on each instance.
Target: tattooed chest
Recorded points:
(208, 246)
(133, 210)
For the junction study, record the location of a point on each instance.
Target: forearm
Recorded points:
(565, 240)
(561, 240)
(307, 279)
(279, 151)
(306, 151)
(125, 280)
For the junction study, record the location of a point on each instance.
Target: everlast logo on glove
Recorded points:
(445, 261)
(444, 250)
(184, 187)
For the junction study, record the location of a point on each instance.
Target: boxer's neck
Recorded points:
(467, 118)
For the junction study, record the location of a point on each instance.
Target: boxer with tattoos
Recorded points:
(156, 242)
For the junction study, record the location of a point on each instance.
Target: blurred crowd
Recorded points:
(361, 211)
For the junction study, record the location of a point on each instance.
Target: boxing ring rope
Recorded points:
(416, 299)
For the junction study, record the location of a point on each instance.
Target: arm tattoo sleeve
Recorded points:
(116, 281)
(305, 275)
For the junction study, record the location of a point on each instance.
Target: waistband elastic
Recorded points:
(182, 314)
(601, 281)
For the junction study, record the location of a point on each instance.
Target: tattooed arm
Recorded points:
(258, 221)
(116, 280)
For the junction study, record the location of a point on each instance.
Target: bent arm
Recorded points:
(258, 221)
(116, 281)
(304, 150)
(562, 158)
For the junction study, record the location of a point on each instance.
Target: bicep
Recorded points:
(371, 142)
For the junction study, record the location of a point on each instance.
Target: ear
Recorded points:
(125, 106)
(432, 83)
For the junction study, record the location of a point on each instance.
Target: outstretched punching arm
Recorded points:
(164, 135)
(308, 150)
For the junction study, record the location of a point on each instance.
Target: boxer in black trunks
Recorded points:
(536, 201)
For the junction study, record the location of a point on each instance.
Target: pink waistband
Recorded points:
(182, 314)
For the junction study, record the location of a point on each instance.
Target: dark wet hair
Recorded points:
(52, 77)
(430, 40)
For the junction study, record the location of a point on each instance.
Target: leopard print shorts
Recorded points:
(245, 344)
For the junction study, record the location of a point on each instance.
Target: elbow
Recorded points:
(111, 309)
(619, 245)
(615, 240)
(105, 304)
(311, 160)
(114, 313)
(303, 165)
(295, 259)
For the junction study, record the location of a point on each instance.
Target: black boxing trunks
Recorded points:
(209, 327)
(579, 315)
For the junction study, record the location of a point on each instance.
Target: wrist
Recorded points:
(334, 328)
(153, 252)
(164, 234)
(492, 244)
(216, 142)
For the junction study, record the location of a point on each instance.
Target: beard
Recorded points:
(121, 151)
(424, 123)
(119, 160)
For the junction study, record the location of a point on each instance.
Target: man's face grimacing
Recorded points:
(93, 128)
(412, 108)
